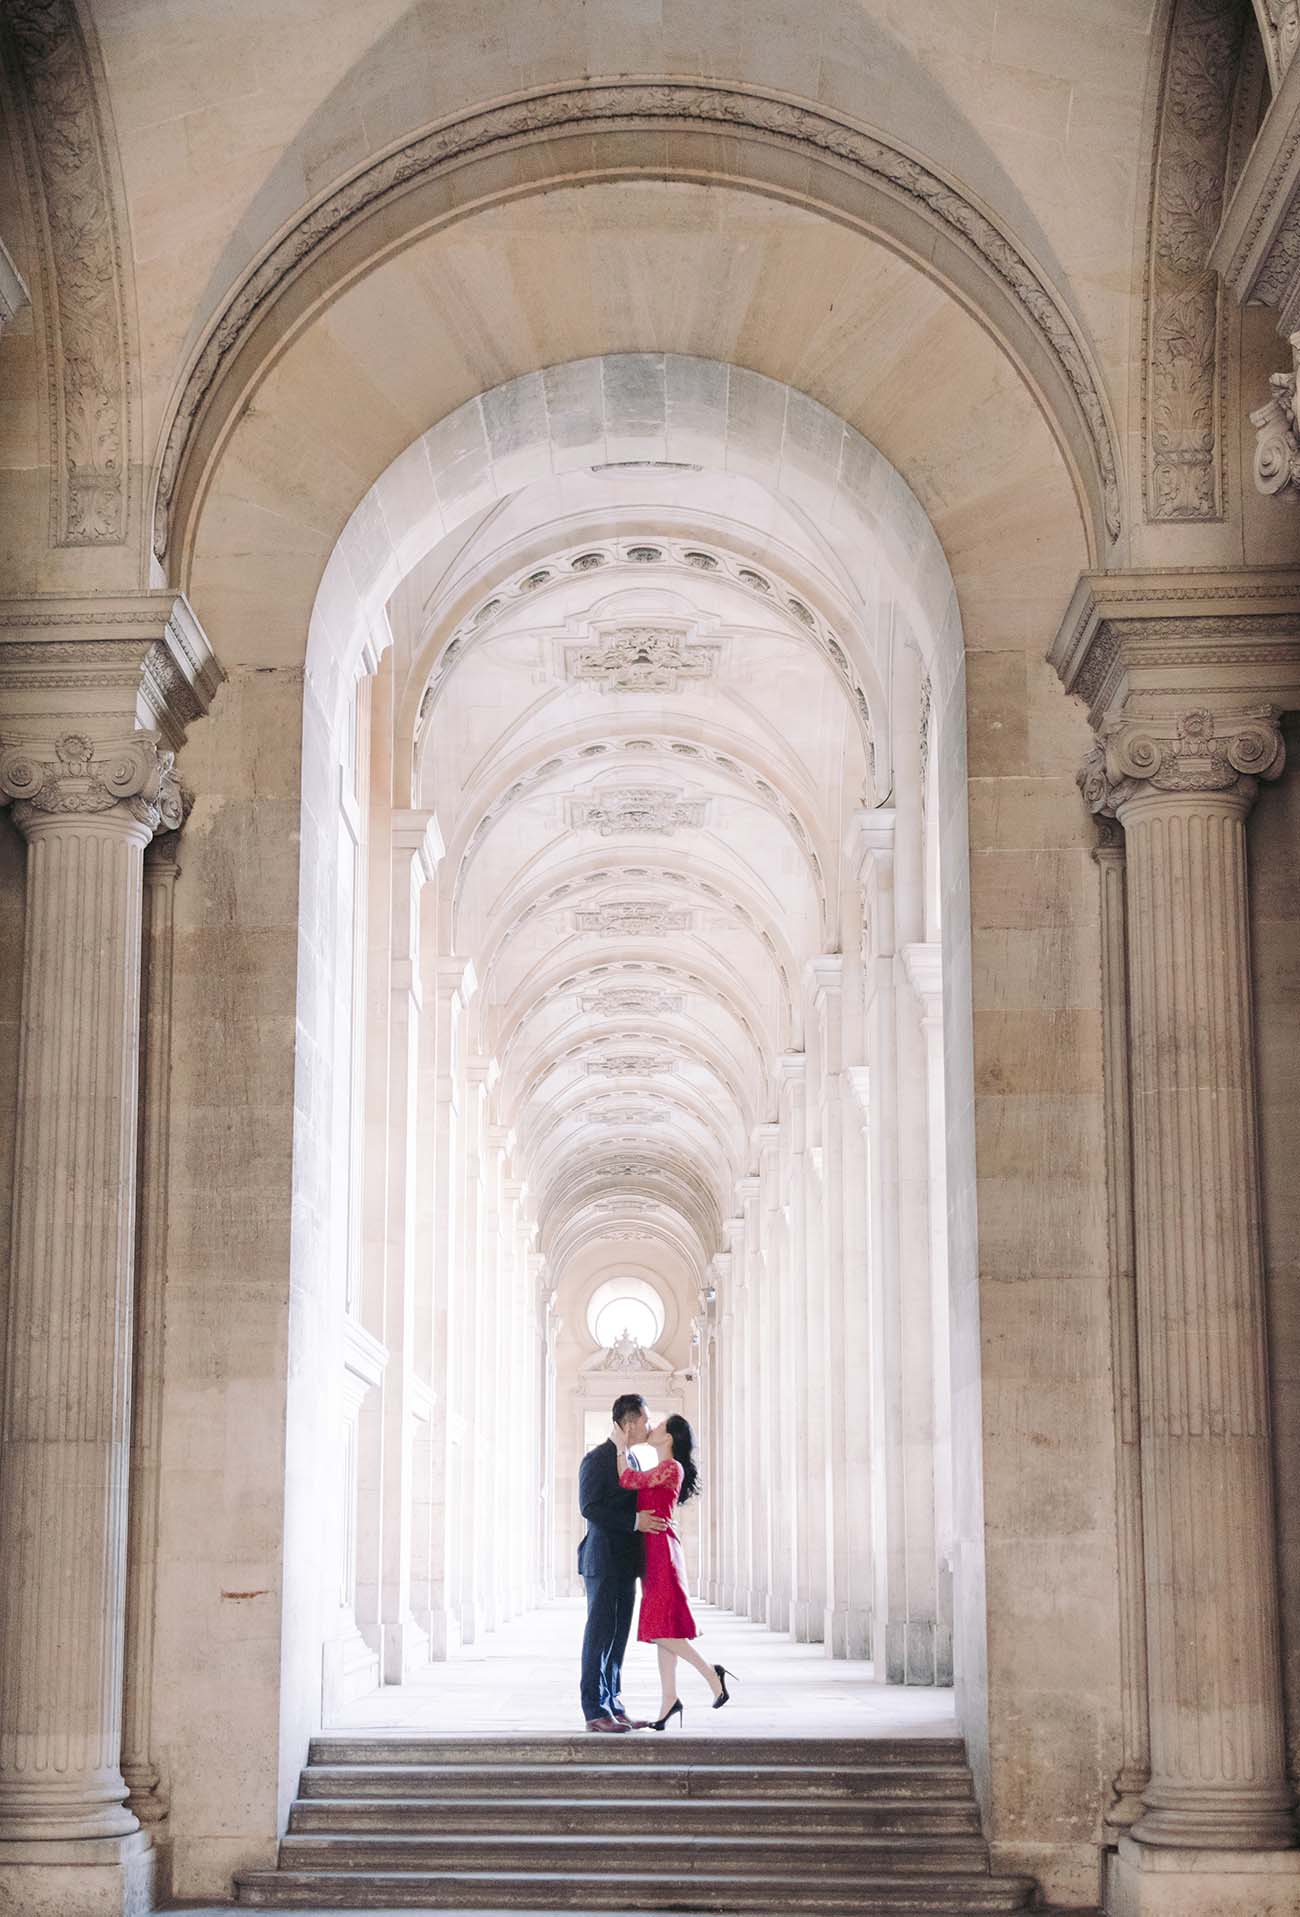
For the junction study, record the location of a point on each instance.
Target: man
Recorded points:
(609, 1561)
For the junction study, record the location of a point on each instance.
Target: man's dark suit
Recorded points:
(609, 1563)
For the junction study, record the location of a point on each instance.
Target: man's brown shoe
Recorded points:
(631, 1723)
(606, 1724)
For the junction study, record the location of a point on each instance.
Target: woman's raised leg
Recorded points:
(683, 1647)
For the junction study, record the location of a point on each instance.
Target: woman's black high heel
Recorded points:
(723, 1675)
(675, 1711)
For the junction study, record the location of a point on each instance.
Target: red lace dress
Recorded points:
(665, 1607)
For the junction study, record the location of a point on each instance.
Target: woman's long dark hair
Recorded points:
(684, 1451)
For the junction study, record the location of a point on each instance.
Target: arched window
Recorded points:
(626, 1307)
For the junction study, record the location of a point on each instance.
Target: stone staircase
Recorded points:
(834, 1828)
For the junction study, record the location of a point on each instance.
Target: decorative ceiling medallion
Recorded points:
(635, 808)
(632, 918)
(640, 659)
(633, 1064)
(631, 998)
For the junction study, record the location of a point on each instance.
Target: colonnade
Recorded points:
(443, 1345)
(823, 1328)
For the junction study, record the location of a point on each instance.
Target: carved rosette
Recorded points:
(1197, 752)
(75, 776)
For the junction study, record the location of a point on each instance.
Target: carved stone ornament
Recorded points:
(74, 775)
(1182, 370)
(1277, 441)
(632, 918)
(640, 659)
(1198, 752)
(70, 181)
(631, 998)
(631, 1115)
(636, 808)
(615, 1064)
(1284, 32)
(625, 1354)
(598, 106)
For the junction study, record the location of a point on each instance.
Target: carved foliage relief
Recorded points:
(86, 343)
(1182, 398)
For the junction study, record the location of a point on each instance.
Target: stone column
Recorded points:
(792, 1367)
(923, 966)
(480, 1074)
(415, 850)
(850, 1631)
(544, 1288)
(767, 1142)
(739, 1477)
(161, 869)
(89, 788)
(755, 1490)
(1182, 788)
(456, 984)
(1135, 1759)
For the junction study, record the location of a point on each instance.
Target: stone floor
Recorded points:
(524, 1678)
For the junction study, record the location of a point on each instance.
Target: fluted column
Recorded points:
(1182, 791)
(1135, 1760)
(87, 812)
(161, 869)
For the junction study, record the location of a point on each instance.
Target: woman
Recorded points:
(665, 1619)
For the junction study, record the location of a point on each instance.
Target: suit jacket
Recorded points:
(612, 1545)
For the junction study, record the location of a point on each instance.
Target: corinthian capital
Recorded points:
(1198, 751)
(74, 775)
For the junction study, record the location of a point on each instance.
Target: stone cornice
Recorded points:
(416, 836)
(104, 666)
(1174, 640)
(1257, 249)
(923, 964)
(825, 973)
(870, 837)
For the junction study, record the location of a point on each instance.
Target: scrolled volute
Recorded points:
(75, 775)
(1199, 751)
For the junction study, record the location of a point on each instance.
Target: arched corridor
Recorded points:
(638, 819)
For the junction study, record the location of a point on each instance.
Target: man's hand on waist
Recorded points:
(647, 1521)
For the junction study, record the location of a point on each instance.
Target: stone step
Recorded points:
(638, 1749)
(601, 1816)
(877, 1895)
(756, 1854)
(950, 1783)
